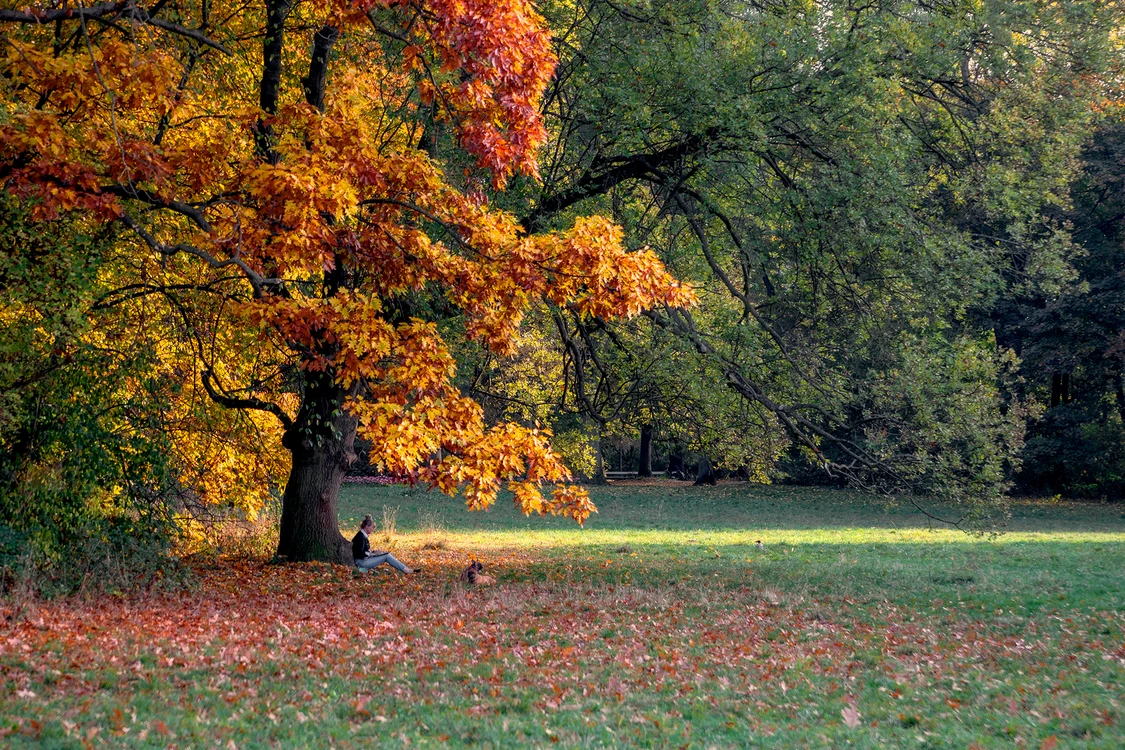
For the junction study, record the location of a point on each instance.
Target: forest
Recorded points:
(485, 246)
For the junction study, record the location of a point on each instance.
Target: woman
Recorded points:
(365, 558)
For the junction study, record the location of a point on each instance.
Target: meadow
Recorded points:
(662, 623)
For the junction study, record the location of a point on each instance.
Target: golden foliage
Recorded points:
(300, 224)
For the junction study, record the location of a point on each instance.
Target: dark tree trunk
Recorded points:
(704, 473)
(599, 463)
(1056, 389)
(644, 465)
(1066, 388)
(322, 442)
(676, 466)
(1121, 397)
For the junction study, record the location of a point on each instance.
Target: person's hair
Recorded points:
(367, 521)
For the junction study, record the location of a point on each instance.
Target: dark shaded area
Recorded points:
(1073, 343)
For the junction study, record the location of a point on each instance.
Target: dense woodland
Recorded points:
(246, 249)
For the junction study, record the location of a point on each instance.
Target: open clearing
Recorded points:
(661, 624)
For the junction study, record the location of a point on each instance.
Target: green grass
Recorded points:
(660, 624)
(832, 543)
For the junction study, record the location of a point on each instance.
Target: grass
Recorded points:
(660, 624)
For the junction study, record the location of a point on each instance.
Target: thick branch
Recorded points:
(257, 281)
(270, 87)
(254, 404)
(108, 9)
(193, 213)
(604, 174)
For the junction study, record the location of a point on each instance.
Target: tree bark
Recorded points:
(644, 467)
(322, 443)
(1056, 389)
(704, 472)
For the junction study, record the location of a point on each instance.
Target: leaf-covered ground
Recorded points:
(664, 624)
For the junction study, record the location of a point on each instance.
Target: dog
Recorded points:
(474, 575)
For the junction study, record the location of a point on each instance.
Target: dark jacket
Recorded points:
(360, 546)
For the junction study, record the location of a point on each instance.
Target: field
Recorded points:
(660, 624)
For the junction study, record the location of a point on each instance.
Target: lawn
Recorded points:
(660, 624)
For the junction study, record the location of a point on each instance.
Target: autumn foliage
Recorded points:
(261, 190)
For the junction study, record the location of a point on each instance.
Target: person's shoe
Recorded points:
(415, 570)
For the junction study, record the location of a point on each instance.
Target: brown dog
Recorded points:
(474, 575)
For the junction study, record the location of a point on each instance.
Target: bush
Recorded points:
(97, 557)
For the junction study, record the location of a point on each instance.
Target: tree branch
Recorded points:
(315, 81)
(605, 174)
(257, 281)
(129, 191)
(270, 87)
(99, 11)
(254, 404)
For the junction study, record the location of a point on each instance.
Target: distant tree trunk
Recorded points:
(676, 466)
(644, 466)
(704, 472)
(321, 442)
(1060, 388)
(1121, 397)
(599, 463)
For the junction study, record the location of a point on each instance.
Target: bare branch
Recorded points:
(129, 191)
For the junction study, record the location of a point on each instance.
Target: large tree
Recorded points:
(265, 171)
(844, 183)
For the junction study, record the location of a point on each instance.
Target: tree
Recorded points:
(265, 171)
(840, 182)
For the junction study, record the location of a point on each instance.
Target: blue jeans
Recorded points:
(370, 563)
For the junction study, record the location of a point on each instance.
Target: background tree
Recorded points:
(835, 179)
(281, 214)
(1072, 338)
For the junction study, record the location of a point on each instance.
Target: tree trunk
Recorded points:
(676, 466)
(322, 442)
(599, 463)
(704, 472)
(1056, 389)
(1121, 397)
(644, 467)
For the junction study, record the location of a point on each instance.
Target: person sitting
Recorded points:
(368, 559)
